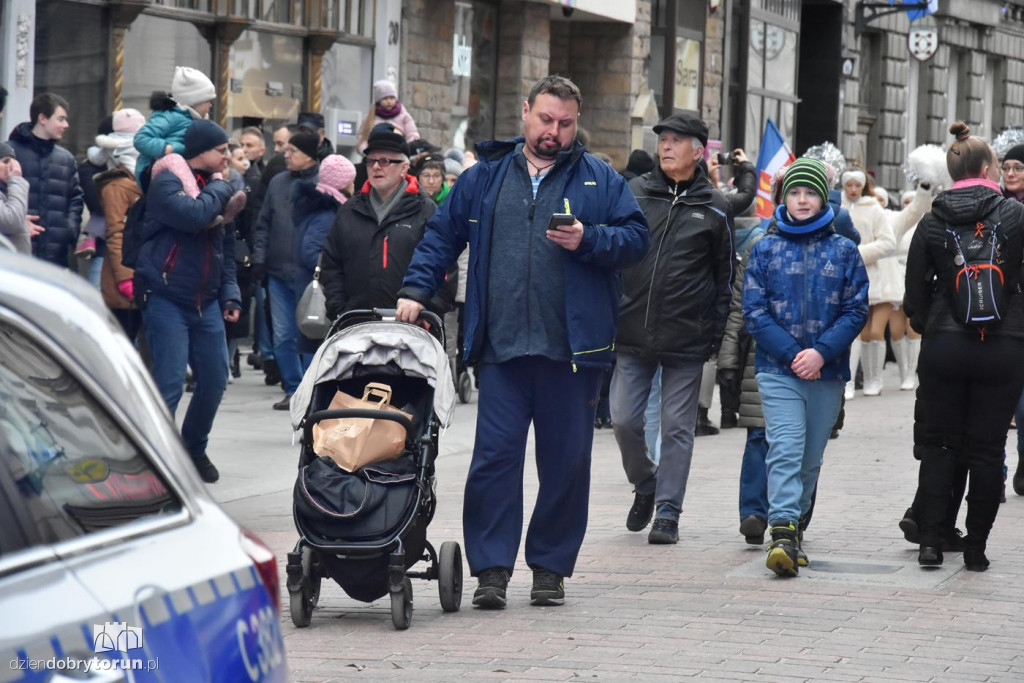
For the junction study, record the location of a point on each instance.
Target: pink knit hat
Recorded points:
(336, 173)
(128, 121)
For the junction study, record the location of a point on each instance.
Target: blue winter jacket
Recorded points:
(182, 258)
(166, 127)
(614, 237)
(55, 194)
(805, 291)
(313, 214)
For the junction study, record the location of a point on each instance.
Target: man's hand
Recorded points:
(408, 311)
(739, 156)
(807, 364)
(568, 236)
(231, 315)
(33, 227)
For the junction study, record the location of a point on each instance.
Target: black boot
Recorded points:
(704, 426)
(272, 375)
(729, 420)
(236, 365)
(1018, 477)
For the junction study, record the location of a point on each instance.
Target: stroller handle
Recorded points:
(366, 413)
(376, 314)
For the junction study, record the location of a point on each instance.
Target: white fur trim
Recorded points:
(855, 175)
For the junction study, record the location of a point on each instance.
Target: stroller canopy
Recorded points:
(417, 352)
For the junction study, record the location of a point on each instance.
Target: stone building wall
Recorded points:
(425, 81)
(524, 49)
(714, 61)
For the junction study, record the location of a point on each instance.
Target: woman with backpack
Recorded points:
(963, 273)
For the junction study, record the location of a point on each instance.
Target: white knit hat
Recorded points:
(382, 89)
(190, 87)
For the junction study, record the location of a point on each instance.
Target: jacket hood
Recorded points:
(965, 205)
(492, 150)
(23, 134)
(106, 177)
(307, 200)
(114, 140)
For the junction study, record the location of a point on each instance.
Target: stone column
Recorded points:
(17, 57)
(318, 42)
(122, 14)
(524, 48)
(893, 119)
(226, 32)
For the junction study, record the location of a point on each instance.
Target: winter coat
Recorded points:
(118, 191)
(805, 291)
(55, 194)
(165, 127)
(614, 237)
(876, 242)
(313, 213)
(744, 179)
(403, 121)
(14, 213)
(739, 350)
(186, 256)
(363, 262)
(931, 271)
(676, 300)
(893, 268)
(274, 240)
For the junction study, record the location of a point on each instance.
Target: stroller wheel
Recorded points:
(401, 606)
(302, 601)
(449, 576)
(465, 387)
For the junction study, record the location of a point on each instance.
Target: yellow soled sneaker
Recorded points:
(782, 551)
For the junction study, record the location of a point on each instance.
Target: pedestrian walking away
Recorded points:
(540, 317)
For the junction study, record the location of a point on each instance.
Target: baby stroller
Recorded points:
(366, 529)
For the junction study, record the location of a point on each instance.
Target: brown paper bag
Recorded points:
(355, 442)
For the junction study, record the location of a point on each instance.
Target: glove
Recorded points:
(127, 288)
(259, 272)
(729, 379)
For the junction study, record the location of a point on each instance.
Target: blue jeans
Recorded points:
(652, 419)
(264, 342)
(283, 300)
(180, 336)
(754, 475)
(798, 416)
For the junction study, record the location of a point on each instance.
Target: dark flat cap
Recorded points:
(684, 124)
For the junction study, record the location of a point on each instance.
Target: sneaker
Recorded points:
(490, 589)
(753, 527)
(801, 557)
(285, 403)
(548, 588)
(207, 471)
(86, 248)
(663, 532)
(782, 551)
(640, 514)
(908, 525)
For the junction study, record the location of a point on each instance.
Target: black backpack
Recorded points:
(977, 252)
(131, 238)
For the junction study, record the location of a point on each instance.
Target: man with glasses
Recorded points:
(186, 275)
(275, 257)
(373, 237)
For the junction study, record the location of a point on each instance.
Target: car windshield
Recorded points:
(66, 467)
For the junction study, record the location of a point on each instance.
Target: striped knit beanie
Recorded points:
(806, 172)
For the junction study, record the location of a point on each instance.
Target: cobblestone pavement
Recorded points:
(706, 608)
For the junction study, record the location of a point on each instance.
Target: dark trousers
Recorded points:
(561, 405)
(968, 391)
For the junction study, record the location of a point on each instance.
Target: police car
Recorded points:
(115, 564)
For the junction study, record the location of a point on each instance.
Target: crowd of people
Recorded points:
(660, 285)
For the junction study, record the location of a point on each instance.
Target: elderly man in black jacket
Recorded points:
(55, 196)
(674, 306)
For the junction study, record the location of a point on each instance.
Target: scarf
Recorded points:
(332, 192)
(972, 182)
(808, 226)
(389, 113)
(382, 207)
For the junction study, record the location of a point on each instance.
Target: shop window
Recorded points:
(265, 73)
(771, 81)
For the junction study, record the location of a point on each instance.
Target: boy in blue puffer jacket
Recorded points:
(805, 299)
(191, 98)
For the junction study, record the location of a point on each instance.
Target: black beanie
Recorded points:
(306, 142)
(640, 162)
(201, 136)
(1015, 154)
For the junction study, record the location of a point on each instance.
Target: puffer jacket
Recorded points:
(313, 213)
(274, 237)
(676, 300)
(166, 126)
(805, 291)
(185, 257)
(118, 192)
(931, 271)
(738, 347)
(55, 194)
(876, 242)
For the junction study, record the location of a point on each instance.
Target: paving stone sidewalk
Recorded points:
(706, 608)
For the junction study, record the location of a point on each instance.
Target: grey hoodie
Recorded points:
(13, 213)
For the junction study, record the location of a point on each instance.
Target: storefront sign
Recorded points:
(462, 57)
(687, 74)
(923, 42)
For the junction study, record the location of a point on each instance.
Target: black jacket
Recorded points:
(364, 263)
(930, 268)
(744, 179)
(274, 239)
(55, 194)
(676, 300)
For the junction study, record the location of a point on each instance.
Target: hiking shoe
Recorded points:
(86, 248)
(664, 531)
(207, 471)
(782, 551)
(285, 403)
(953, 541)
(641, 512)
(753, 527)
(548, 588)
(908, 525)
(490, 589)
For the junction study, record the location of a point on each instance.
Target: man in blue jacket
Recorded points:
(186, 277)
(540, 316)
(55, 196)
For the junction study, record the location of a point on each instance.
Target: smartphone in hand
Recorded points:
(560, 220)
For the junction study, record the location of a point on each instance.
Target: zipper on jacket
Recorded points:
(657, 257)
(610, 347)
(385, 252)
(170, 262)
